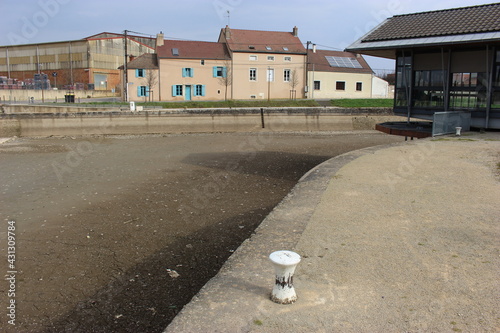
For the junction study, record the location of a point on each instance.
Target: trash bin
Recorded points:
(69, 98)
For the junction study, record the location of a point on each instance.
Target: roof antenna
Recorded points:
(228, 18)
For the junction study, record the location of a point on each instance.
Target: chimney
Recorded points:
(295, 31)
(227, 32)
(159, 39)
(314, 48)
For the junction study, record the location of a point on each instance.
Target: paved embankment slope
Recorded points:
(402, 238)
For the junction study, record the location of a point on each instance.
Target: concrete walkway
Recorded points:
(399, 238)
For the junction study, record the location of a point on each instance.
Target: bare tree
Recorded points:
(227, 79)
(151, 79)
(294, 82)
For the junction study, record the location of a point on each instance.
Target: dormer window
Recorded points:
(268, 48)
(285, 48)
(251, 47)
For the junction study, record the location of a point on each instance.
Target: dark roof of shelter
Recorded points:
(321, 63)
(261, 41)
(145, 61)
(455, 21)
(192, 50)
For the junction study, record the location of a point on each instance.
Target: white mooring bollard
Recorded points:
(284, 266)
(458, 129)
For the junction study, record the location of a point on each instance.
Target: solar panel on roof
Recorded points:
(343, 62)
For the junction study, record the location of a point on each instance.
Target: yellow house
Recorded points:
(243, 64)
(143, 78)
(193, 70)
(336, 74)
(265, 64)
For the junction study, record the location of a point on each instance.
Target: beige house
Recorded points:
(143, 78)
(193, 70)
(336, 74)
(265, 64)
(246, 65)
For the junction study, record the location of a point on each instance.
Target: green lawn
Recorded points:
(222, 104)
(363, 103)
(346, 103)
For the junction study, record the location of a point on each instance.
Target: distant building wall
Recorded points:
(380, 88)
(87, 61)
(331, 83)
(246, 85)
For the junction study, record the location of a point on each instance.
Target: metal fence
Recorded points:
(447, 122)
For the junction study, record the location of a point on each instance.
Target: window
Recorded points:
(428, 88)
(142, 91)
(340, 85)
(270, 74)
(468, 90)
(175, 51)
(199, 90)
(253, 58)
(268, 48)
(495, 98)
(187, 72)
(286, 75)
(219, 71)
(253, 74)
(177, 90)
(202, 61)
(140, 72)
(359, 86)
(285, 48)
(317, 85)
(287, 58)
(403, 77)
(270, 58)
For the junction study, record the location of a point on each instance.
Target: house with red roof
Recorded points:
(337, 74)
(143, 78)
(193, 70)
(265, 64)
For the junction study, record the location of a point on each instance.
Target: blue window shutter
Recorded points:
(138, 91)
(192, 72)
(224, 71)
(174, 90)
(203, 90)
(215, 71)
(136, 73)
(183, 72)
(147, 91)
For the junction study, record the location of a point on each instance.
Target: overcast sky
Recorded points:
(330, 24)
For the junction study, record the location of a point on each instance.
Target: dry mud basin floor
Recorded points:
(117, 233)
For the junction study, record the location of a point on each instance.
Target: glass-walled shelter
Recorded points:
(442, 66)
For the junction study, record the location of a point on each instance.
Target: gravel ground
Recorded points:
(117, 233)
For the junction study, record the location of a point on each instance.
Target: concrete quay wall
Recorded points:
(186, 121)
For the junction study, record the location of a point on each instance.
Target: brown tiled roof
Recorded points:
(145, 61)
(456, 21)
(278, 41)
(321, 64)
(193, 50)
